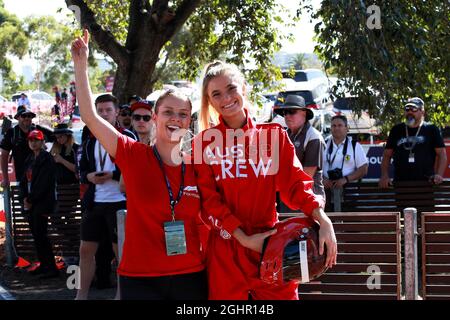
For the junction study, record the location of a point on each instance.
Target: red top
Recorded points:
(243, 170)
(148, 208)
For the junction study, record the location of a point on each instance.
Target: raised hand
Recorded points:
(80, 50)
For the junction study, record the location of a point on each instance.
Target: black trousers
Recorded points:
(38, 225)
(189, 286)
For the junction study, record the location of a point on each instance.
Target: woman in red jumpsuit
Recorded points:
(240, 166)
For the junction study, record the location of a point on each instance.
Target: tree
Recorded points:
(138, 34)
(13, 41)
(407, 56)
(49, 46)
(298, 61)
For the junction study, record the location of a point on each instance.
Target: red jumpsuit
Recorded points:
(238, 174)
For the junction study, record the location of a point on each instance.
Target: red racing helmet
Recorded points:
(292, 253)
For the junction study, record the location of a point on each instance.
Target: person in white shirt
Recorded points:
(344, 160)
(23, 100)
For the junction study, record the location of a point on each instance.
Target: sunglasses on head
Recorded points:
(286, 112)
(411, 108)
(26, 116)
(138, 117)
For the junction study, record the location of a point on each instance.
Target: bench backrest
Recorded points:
(63, 228)
(435, 255)
(367, 243)
(422, 195)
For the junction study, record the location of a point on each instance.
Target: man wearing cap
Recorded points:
(15, 141)
(124, 117)
(308, 142)
(141, 115)
(417, 148)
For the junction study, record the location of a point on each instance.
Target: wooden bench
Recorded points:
(422, 195)
(64, 224)
(364, 240)
(435, 233)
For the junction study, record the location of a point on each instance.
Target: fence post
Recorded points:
(121, 217)
(337, 198)
(411, 267)
(9, 250)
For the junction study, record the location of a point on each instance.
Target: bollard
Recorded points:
(410, 245)
(9, 250)
(121, 218)
(337, 198)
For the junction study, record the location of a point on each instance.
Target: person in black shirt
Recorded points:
(64, 153)
(15, 142)
(37, 193)
(417, 148)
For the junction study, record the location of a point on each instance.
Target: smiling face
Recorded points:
(172, 119)
(226, 95)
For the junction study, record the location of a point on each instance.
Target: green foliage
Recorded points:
(49, 45)
(298, 62)
(13, 41)
(243, 32)
(407, 57)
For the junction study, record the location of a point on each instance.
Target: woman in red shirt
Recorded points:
(161, 256)
(240, 166)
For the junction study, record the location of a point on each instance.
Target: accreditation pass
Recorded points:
(175, 238)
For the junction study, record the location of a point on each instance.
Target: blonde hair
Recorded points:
(208, 116)
(56, 147)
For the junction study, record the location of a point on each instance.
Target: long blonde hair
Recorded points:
(56, 147)
(208, 116)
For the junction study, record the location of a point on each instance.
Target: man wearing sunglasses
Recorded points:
(15, 142)
(141, 115)
(417, 148)
(308, 142)
(124, 117)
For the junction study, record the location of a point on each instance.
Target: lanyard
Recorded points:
(413, 144)
(330, 151)
(173, 202)
(101, 159)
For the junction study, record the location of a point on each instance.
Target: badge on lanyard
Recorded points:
(175, 238)
(411, 158)
(174, 230)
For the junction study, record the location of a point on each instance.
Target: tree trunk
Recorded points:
(136, 78)
(148, 32)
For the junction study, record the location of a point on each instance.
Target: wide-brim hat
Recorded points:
(23, 110)
(62, 128)
(294, 102)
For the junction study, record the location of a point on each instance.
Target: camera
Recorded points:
(335, 174)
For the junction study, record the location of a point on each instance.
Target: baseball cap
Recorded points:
(36, 135)
(415, 102)
(141, 104)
